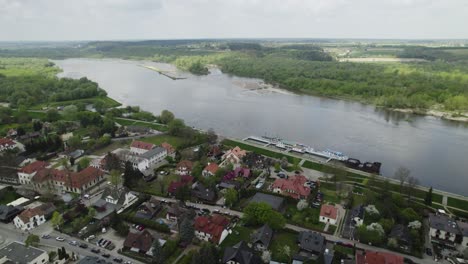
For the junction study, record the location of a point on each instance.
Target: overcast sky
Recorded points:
(168, 19)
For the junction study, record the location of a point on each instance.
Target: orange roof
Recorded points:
(213, 225)
(142, 145)
(27, 214)
(185, 164)
(6, 142)
(294, 186)
(238, 152)
(85, 176)
(169, 148)
(70, 179)
(372, 257)
(34, 166)
(212, 167)
(329, 211)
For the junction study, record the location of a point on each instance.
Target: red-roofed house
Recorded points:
(26, 173)
(213, 228)
(174, 186)
(210, 169)
(140, 242)
(328, 214)
(371, 257)
(140, 147)
(294, 187)
(233, 156)
(170, 149)
(6, 144)
(29, 218)
(60, 180)
(184, 167)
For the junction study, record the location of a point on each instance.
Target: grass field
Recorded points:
(462, 204)
(125, 122)
(278, 244)
(154, 187)
(157, 140)
(239, 233)
(107, 101)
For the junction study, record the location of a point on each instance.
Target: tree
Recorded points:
(262, 213)
(266, 256)
(183, 193)
(72, 161)
(158, 256)
(83, 163)
(32, 240)
(211, 136)
(302, 204)
(57, 220)
(175, 127)
(428, 199)
(115, 178)
(112, 162)
(91, 212)
(412, 183)
(187, 231)
(52, 115)
(206, 255)
(231, 197)
(284, 162)
(166, 117)
(402, 174)
(286, 251)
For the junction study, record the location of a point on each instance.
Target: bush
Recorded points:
(148, 223)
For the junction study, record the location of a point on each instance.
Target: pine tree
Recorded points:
(428, 199)
(187, 231)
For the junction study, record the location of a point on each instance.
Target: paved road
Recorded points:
(332, 238)
(10, 233)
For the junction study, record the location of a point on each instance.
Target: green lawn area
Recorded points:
(358, 199)
(126, 122)
(344, 250)
(108, 102)
(461, 204)
(308, 218)
(280, 240)
(154, 187)
(330, 195)
(114, 145)
(187, 258)
(258, 150)
(234, 238)
(157, 140)
(8, 196)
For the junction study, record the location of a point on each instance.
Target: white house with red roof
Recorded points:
(213, 228)
(6, 144)
(184, 167)
(170, 149)
(328, 214)
(30, 218)
(233, 156)
(140, 147)
(294, 187)
(26, 173)
(210, 169)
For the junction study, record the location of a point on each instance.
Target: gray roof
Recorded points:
(463, 226)
(7, 212)
(311, 242)
(152, 152)
(401, 233)
(242, 254)
(443, 222)
(116, 194)
(263, 235)
(19, 253)
(92, 260)
(202, 192)
(275, 202)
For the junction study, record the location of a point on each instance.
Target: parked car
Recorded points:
(61, 239)
(118, 260)
(140, 228)
(73, 243)
(429, 251)
(45, 236)
(83, 245)
(106, 255)
(96, 250)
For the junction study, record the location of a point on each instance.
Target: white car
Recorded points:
(61, 239)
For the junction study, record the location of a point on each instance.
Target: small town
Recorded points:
(162, 192)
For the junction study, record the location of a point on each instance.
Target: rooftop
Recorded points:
(141, 145)
(33, 167)
(19, 253)
(153, 152)
(274, 201)
(443, 222)
(329, 211)
(311, 241)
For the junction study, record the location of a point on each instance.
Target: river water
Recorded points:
(436, 151)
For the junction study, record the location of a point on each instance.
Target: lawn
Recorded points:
(114, 145)
(154, 187)
(126, 122)
(108, 102)
(157, 140)
(279, 242)
(8, 196)
(344, 250)
(239, 233)
(308, 218)
(358, 199)
(457, 203)
(330, 195)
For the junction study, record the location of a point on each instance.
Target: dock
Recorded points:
(165, 73)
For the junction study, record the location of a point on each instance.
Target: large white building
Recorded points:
(17, 252)
(26, 173)
(443, 229)
(140, 147)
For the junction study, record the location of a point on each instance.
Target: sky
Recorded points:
(186, 19)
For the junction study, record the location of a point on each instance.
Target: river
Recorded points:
(434, 150)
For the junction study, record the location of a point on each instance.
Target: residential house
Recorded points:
(49, 179)
(237, 172)
(372, 257)
(149, 209)
(171, 152)
(114, 199)
(33, 217)
(75, 154)
(153, 156)
(140, 242)
(261, 238)
(233, 156)
(215, 152)
(7, 144)
(140, 147)
(210, 169)
(311, 245)
(276, 202)
(443, 229)
(293, 187)
(328, 214)
(26, 173)
(185, 180)
(184, 167)
(203, 193)
(92, 260)
(402, 235)
(174, 212)
(212, 228)
(240, 253)
(8, 212)
(12, 133)
(17, 252)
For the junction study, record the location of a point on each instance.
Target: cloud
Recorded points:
(153, 19)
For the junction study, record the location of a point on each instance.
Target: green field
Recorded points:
(280, 240)
(27, 66)
(126, 122)
(239, 233)
(107, 102)
(461, 204)
(157, 140)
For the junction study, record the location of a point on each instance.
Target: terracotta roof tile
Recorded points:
(34, 166)
(329, 211)
(141, 145)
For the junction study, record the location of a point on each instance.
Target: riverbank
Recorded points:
(452, 116)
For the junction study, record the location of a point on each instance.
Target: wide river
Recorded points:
(436, 151)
